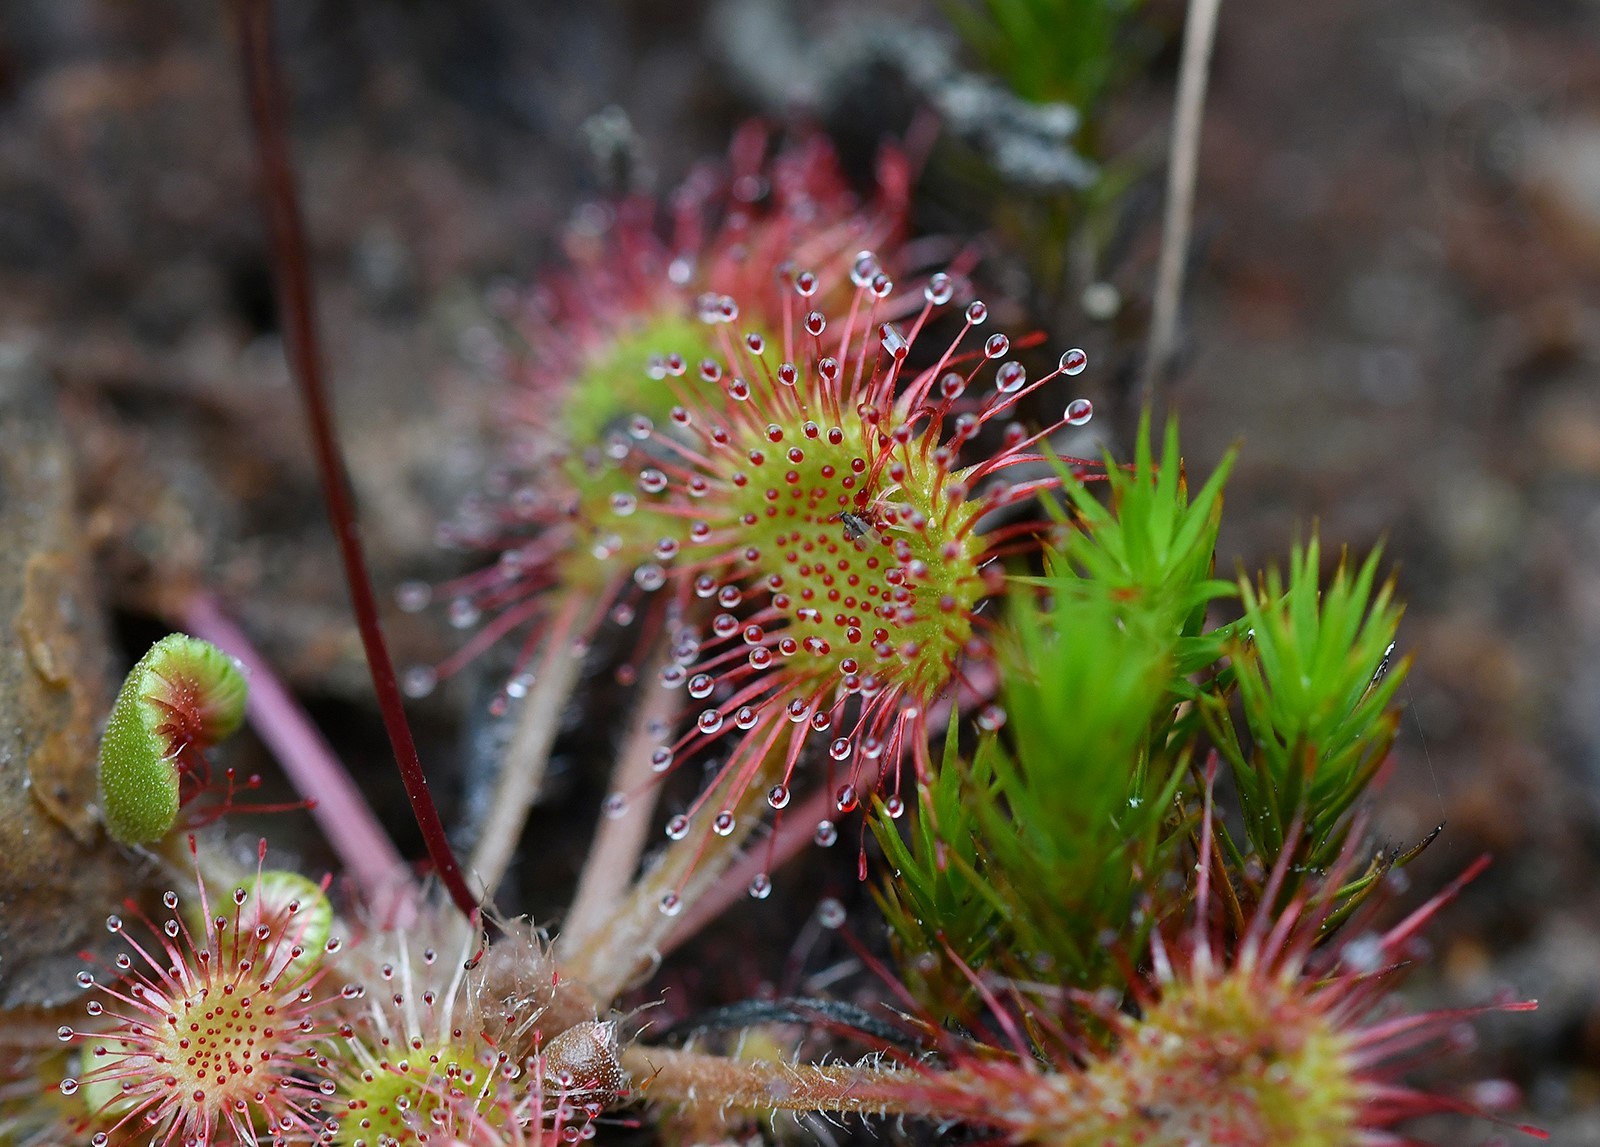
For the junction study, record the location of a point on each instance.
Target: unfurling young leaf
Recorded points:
(182, 697)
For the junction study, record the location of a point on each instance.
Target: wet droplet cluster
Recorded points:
(560, 513)
(211, 1027)
(813, 507)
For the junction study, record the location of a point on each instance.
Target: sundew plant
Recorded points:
(1109, 802)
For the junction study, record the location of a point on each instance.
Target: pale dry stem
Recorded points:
(796, 830)
(522, 773)
(1199, 34)
(629, 941)
(619, 840)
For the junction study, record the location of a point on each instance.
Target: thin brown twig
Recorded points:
(1199, 35)
(291, 267)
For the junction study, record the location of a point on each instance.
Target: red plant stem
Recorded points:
(338, 806)
(295, 293)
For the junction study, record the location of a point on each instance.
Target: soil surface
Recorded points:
(1394, 306)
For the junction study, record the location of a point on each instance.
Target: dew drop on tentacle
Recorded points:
(1011, 376)
(826, 834)
(723, 824)
(893, 341)
(940, 289)
(418, 681)
(991, 717)
(778, 796)
(671, 904)
(615, 806)
(649, 576)
(1073, 361)
(894, 806)
(413, 596)
(760, 886)
(996, 345)
(977, 312)
(678, 827)
(864, 268)
(1078, 412)
(830, 914)
(462, 614)
(652, 481)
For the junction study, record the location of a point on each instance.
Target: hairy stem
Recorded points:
(670, 1075)
(1199, 34)
(291, 267)
(619, 840)
(522, 771)
(341, 811)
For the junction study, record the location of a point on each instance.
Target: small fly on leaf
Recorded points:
(857, 527)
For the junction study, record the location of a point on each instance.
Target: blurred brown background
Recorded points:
(1395, 305)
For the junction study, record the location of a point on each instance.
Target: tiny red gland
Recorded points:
(809, 493)
(211, 1029)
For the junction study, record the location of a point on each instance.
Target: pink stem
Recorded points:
(317, 774)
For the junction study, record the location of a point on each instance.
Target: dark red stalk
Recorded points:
(296, 298)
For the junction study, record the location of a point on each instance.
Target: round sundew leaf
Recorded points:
(183, 693)
(299, 914)
(296, 912)
(102, 1095)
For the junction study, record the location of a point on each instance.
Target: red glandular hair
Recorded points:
(577, 361)
(808, 488)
